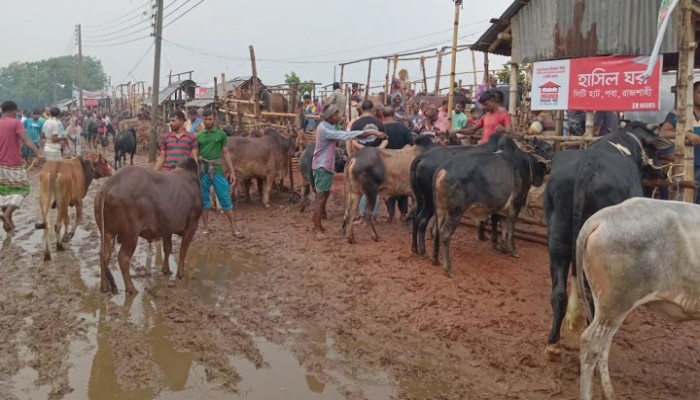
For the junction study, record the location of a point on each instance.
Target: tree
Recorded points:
(41, 83)
(294, 81)
(504, 74)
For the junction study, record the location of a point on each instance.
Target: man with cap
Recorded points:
(327, 136)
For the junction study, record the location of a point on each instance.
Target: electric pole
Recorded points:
(80, 65)
(156, 82)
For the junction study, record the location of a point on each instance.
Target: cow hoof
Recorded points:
(436, 263)
(166, 271)
(553, 352)
(483, 238)
(47, 256)
(39, 225)
(515, 254)
(376, 238)
(180, 276)
(129, 292)
(68, 237)
(60, 247)
(351, 240)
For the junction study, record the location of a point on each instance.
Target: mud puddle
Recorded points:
(95, 363)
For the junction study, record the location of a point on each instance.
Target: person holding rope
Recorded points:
(14, 185)
(213, 153)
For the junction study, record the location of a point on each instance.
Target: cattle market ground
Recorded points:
(281, 315)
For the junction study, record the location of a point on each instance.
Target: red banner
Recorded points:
(613, 84)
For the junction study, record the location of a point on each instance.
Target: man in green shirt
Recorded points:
(212, 149)
(459, 118)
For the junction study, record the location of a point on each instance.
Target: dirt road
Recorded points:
(281, 315)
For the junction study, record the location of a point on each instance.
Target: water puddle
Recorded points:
(92, 372)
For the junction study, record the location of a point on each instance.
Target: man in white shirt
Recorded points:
(55, 136)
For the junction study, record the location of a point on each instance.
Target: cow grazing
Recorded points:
(124, 144)
(421, 179)
(62, 184)
(307, 173)
(479, 184)
(626, 266)
(266, 157)
(139, 202)
(582, 182)
(371, 171)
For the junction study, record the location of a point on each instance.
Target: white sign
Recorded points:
(550, 85)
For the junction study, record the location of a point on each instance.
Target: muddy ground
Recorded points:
(281, 315)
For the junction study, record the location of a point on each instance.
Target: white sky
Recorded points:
(296, 30)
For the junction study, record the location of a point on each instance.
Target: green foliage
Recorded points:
(504, 74)
(294, 81)
(41, 83)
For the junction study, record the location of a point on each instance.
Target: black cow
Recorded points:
(480, 184)
(307, 173)
(422, 171)
(608, 172)
(123, 144)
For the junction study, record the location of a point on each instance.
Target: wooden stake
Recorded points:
(386, 82)
(589, 123)
(224, 95)
(425, 78)
(684, 95)
(513, 98)
(369, 74)
(396, 63)
(342, 72)
(476, 83)
(256, 92)
(453, 65)
(486, 68)
(437, 73)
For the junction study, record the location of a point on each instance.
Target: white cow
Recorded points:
(639, 252)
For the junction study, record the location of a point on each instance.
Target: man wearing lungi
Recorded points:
(14, 185)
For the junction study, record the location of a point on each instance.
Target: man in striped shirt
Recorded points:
(176, 144)
(323, 160)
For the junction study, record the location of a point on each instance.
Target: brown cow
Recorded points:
(266, 157)
(274, 102)
(65, 183)
(140, 202)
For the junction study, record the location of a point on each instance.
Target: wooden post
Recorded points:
(386, 82)
(513, 98)
(224, 95)
(589, 123)
(486, 68)
(425, 77)
(256, 92)
(396, 64)
(438, 72)
(453, 65)
(342, 72)
(369, 74)
(476, 82)
(684, 96)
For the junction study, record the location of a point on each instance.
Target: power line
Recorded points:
(183, 14)
(118, 20)
(120, 36)
(143, 57)
(178, 7)
(141, 21)
(117, 44)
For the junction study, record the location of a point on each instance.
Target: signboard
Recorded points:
(596, 84)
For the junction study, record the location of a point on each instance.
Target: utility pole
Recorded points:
(451, 95)
(80, 66)
(156, 82)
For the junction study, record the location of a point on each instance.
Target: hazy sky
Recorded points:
(325, 31)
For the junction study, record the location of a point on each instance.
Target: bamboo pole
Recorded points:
(684, 95)
(386, 82)
(224, 94)
(395, 60)
(369, 75)
(513, 94)
(589, 123)
(342, 72)
(476, 83)
(453, 65)
(486, 68)
(438, 72)
(256, 92)
(425, 76)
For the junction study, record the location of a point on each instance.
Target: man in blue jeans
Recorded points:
(213, 153)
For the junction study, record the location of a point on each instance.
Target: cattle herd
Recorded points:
(596, 223)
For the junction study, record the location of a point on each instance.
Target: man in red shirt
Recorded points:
(494, 119)
(14, 186)
(176, 144)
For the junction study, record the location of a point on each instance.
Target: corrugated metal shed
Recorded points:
(187, 87)
(554, 29)
(231, 85)
(199, 103)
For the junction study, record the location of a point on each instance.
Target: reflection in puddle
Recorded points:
(92, 373)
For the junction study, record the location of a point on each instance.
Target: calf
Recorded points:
(626, 265)
(125, 143)
(62, 184)
(479, 184)
(421, 178)
(608, 172)
(140, 202)
(372, 171)
(307, 173)
(266, 158)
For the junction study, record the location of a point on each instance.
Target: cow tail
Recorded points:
(581, 277)
(418, 196)
(110, 277)
(580, 188)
